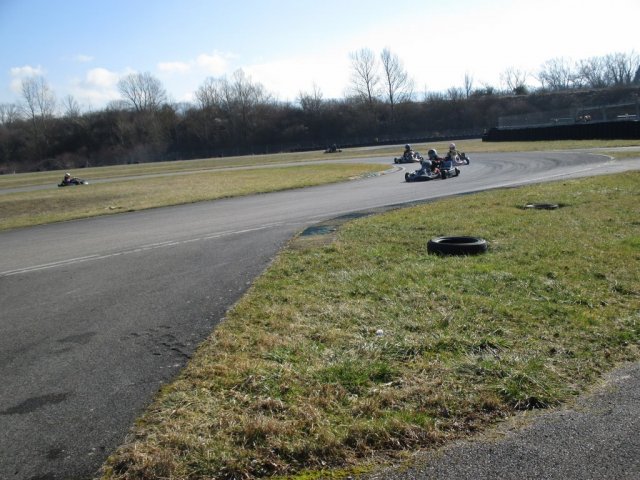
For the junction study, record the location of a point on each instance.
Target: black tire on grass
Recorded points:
(542, 206)
(457, 245)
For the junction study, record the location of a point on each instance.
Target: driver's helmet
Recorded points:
(452, 146)
(407, 147)
(432, 154)
(67, 175)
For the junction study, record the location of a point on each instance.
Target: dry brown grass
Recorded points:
(52, 205)
(297, 382)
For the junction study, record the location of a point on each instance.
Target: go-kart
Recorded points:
(72, 182)
(448, 170)
(422, 175)
(443, 170)
(412, 157)
(461, 159)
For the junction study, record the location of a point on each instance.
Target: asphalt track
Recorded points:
(97, 314)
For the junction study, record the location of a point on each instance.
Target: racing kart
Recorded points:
(461, 159)
(444, 170)
(333, 149)
(448, 169)
(421, 175)
(409, 158)
(72, 182)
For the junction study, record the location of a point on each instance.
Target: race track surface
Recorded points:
(97, 314)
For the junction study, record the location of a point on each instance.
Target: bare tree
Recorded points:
(557, 74)
(240, 98)
(468, 84)
(365, 79)
(515, 80)
(209, 93)
(71, 107)
(398, 85)
(592, 72)
(311, 101)
(142, 91)
(621, 67)
(455, 94)
(39, 104)
(39, 100)
(9, 113)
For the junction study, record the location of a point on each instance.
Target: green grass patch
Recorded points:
(52, 205)
(391, 151)
(299, 380)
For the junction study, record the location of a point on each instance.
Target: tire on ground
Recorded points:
(542, 206)
(457, 245)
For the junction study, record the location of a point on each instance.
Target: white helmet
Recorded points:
(452, 146)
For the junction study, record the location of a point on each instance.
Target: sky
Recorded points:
(83, 47)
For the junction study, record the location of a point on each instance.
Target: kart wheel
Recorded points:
(457, 172)
(443, 175)
(406, 177)
(457, 245)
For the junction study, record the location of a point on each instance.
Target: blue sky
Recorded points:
(83, 47)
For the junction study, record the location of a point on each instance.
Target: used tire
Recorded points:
(457, 245)
(542, 206)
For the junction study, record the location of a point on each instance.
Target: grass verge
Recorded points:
(52, 205)
(347, 354)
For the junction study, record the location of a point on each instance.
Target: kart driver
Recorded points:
(453, 153)
(436, 161)
(408, 153)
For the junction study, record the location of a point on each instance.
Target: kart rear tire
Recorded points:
(457, 245)
(443, 175)
(407, 176)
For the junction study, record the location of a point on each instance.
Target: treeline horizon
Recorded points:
(237, 116)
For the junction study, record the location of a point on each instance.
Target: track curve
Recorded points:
(98, 313)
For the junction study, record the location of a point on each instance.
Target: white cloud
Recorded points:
(212, 64)
(101, 78)
(83, 58)
(215, 64)
(174, 67)
(20, 73)
(99, 86)
(287, 77)
(26, 71)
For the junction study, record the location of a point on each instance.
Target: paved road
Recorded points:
(97, 314)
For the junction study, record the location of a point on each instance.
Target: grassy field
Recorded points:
(350, 352)
(186, 166)
(170, 183)
(58, 204)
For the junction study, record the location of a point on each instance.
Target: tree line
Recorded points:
(236, 115)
